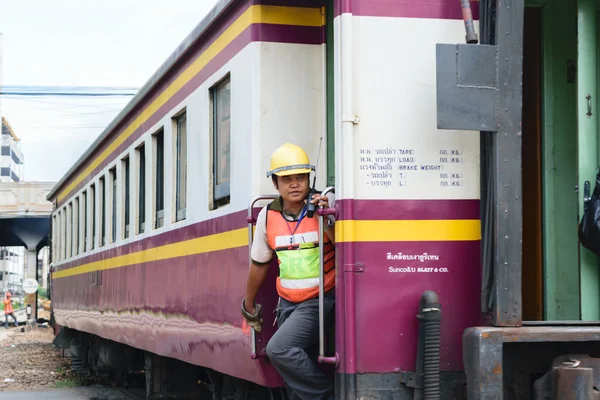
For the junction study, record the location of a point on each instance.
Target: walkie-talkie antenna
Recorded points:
(310, 208)
(318, 155)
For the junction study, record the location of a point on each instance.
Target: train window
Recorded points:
(221, 148)
(181, 167)
(159, 181)
(93, 215)
(126, 191)
(113, 208)
(54, 238)
(102, 216)
(141, 158)
(59, 236)
(76, 227)
(70, 229)
(84, 213)
(63, 251)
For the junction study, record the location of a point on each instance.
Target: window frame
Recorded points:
(159, 178)
(64, 234)
(141, 188)
(180, 191)
(70, 229)
(113, 215)
(102, 210)
(76, 226)
(84, 205)
(93, 215)
(55, 237)
(221, 192)
(126, 164)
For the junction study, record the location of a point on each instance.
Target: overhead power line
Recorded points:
(81, 94)
(70, 91)
(62, 103)
(69, 88)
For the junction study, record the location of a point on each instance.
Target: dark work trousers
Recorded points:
(294, 348)
(6, 319)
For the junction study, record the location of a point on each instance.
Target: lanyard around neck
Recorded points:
(302, 215)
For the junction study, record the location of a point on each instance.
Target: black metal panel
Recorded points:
(479, 87)
(507, 148)
(487, 24)
(466, 87)
(488, 208)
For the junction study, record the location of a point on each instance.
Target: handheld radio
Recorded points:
(310, 207)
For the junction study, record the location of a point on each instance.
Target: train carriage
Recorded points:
(421, 143)
(150, 226)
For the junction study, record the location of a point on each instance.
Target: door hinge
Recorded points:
(350, 118)
(357, 267)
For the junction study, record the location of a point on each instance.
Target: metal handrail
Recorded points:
(251, 220)
(323, 212)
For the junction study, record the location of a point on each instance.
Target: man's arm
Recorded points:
(261, 257)
(256, 278)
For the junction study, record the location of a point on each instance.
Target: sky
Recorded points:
(109, 43)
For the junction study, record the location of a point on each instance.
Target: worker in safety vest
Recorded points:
(9, 310)
(283, 228)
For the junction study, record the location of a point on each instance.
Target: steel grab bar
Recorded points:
(323, 212)
(251, 220)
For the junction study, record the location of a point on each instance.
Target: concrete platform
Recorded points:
(95, 392)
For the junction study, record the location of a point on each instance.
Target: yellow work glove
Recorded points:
(255, 320)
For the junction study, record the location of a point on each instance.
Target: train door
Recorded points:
(532, 286)
(587, 145)
(560, 147)
(551, 158)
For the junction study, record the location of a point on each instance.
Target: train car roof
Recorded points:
(207, 22)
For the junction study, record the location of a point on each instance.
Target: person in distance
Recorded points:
(9, 310)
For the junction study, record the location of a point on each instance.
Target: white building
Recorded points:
(12, 259)
(11, 156)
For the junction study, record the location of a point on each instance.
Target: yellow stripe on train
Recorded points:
(204, 244)
(346, 231)
(408, 230)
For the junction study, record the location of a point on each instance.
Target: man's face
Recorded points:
(293, 188)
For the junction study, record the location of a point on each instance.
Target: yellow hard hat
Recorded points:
(289, 159)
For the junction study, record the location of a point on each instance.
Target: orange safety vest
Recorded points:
(296, 244)
(8, 308)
